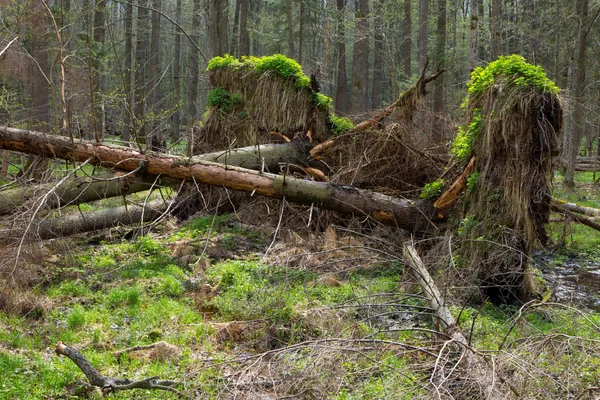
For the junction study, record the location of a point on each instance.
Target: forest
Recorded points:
(299, 199)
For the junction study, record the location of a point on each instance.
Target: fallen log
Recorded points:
(83, 190)
(565, 205)
(80, 190)
(417, 215)
(575, 217)
(109, 385)
(474, 364)
(75, 223)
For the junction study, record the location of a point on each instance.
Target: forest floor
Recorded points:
(235, 314)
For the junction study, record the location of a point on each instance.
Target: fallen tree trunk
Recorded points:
(75, 223)
(407, 214)
(575, 217)
(83, 190)
(474, 364)
(107, 384)
(564, 205)
(79, 191)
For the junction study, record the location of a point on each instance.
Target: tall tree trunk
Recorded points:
(99, 81)
(423, 31)
(38, 71)
(217, 29)
(579, 108)
(235, 31)
(473, 34)
(406, 39)
(377, 88)
(244, 43)
(141, 58)
(359, 97)
(153, 76)
(495, 28)
(176, 74)
(194, 71)
(341, 93)
(440, 59)
(128, 109)
(290, 27)
(301, 32)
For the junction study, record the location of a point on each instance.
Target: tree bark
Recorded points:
(244, 39)
(423, 31)
(377, 87)
(473, 34)
(495, 28)
(407, 214)
(79, 191)
(475, 366)
(141, 57)
(153, 75)
(267, 157)
(290, 27)
(128, 109)
(341, 93)
(218, 25)
(579, 108)
(176, 74)
(108, 384)
(406, 39)
(440, 58)
(76, 223)
(359, 97)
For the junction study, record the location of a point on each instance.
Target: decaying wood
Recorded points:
(75, 223)
(407, 214)
(474, 364)
(449, 197)
(83, 190)
(107, 384)
(575, 217)
(419, 87)
(565, 205)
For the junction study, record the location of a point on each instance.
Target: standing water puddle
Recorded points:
(573, 280)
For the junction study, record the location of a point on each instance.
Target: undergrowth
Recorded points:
(238, 318)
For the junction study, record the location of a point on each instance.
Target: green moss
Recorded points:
(432, 190)
(321, 101)
(222, 99)
(281, 65)
(514, 69)
(339, 125)
(461, 147)
(221, 62)
(472, 182)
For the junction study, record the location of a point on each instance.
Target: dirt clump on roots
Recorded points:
(514, 119)
(255, 96)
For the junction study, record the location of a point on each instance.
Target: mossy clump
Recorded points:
(339, 125)
(322, 101)
(222, 99)
(461, 147)
(278, 63)
(432, 190)
(472, 182)
(514, 70)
